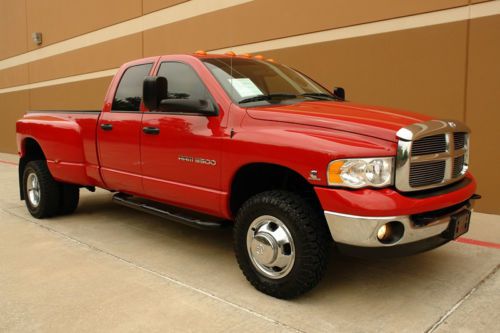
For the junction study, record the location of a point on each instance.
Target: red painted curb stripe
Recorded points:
(477, 242)
(7, 162)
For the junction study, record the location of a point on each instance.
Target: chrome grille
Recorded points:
(431, 154)
(427, 173)
(458, 166)
(429, 145)
(459, 140)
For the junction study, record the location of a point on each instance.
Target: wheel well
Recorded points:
(260, 177)
(31, 152)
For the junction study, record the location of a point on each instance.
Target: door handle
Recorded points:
(107, 127)
(151, 130)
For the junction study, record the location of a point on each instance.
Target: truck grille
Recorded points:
(429, 145)
(431, 154)
(458, 166)
(428, 173)
(459, 140)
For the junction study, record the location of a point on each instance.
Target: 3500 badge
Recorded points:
(198, 160)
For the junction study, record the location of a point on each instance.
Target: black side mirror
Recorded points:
(339, 92)
(194, 106)
(154, 90)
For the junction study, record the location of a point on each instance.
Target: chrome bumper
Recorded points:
(361, 231)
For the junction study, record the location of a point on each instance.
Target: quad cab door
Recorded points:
(181, 152)
(119, 133)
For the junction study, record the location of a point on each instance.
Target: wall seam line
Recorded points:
(466, 74)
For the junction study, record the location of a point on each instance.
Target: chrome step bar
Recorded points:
(168, 212)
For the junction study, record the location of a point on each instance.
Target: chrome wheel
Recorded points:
(33, 188)
(270, 247)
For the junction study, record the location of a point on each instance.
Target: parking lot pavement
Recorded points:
(107, 267)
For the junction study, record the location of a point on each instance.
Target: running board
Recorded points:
(175, 214)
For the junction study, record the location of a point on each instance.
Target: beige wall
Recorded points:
(447, 70)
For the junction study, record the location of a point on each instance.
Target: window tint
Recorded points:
(129, 93)
(183, 82)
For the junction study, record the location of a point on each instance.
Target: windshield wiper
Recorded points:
(322, 96)
(266, 97)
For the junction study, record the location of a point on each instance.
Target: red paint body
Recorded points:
(301, 137)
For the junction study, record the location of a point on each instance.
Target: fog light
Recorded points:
(390, 232)
(384, 232)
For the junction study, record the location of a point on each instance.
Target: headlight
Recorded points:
(361, 172)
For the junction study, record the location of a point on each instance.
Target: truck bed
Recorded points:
(68, 138)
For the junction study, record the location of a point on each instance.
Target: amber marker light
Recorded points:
(259, 56)
(246, 55)
(230, 53)
(200, 52)
(334, 172)
(271, 60)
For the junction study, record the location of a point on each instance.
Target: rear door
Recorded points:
(181, 159)
(119, 133)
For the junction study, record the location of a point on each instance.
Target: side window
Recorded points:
(183, 82)
(129, 92)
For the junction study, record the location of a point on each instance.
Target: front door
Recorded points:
(181, 153)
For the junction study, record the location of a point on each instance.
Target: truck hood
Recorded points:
(378, 122)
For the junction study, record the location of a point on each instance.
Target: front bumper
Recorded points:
(421, 232)
(354, 218)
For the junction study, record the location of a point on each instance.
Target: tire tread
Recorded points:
(312, 232)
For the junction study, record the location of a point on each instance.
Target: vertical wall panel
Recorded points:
(421, 70)
(14, 76)
(149, 6)
(83, 95)
(94, 58)
(483, 108)
(13, 106)
(61, 19)
(261, 20)
(12, 28)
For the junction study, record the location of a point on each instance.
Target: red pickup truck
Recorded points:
(211, 140)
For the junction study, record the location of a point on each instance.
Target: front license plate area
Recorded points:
(459, 224)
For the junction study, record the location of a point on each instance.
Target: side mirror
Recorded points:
(339, 92)
(154, 90)
(195, 106)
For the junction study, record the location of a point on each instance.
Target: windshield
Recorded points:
(263, 82)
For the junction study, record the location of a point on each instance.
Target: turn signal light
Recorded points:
(334, 172)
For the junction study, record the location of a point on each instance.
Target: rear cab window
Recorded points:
(128, 94)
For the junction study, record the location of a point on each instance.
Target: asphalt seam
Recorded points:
(457, 305)
(160, 275)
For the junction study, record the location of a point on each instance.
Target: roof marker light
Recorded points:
(230, 53)
(246, 55)
(259, 56)
(200, 52)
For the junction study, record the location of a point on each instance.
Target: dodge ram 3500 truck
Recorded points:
(209, 140)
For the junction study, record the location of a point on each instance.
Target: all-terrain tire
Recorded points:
(49, 192)
(310, 235)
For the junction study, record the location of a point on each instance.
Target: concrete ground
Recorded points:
(109, 268)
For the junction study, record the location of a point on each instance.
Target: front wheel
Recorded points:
(281, 243)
